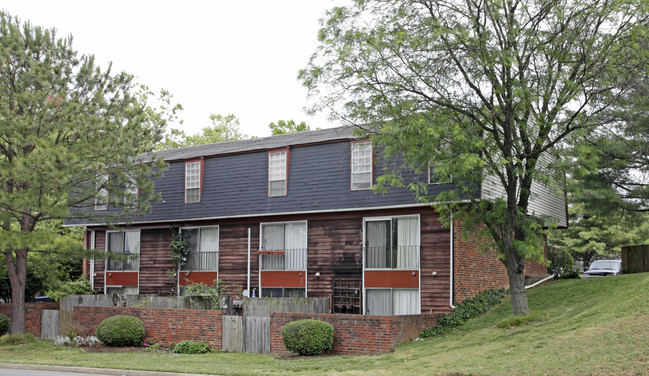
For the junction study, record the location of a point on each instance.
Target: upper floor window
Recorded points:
(361, 166)
(277, 174)
(436, 178)
(435, 174)
(203, 244)
(101, 198)
(126, 246)
(392, 243)
(193, 172)
(131, 193)
(290, 243)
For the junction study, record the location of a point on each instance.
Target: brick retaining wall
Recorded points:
(355, 334)
(33, 315)
(163, 326)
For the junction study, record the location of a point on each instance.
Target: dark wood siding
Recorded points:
(233, 255)
(100, 265)
(155, 260)
(334, 251)
(435, 257)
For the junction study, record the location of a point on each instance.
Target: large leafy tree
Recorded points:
(608, 182)
(287, 126)
(479, 89)
(224, 128)
(68, 131)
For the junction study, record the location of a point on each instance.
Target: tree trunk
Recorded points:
(515, 265)
(17, 277)
(516, 275)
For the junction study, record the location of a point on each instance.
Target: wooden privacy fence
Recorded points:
(635, 259)
(50, 325)
(251, 333)
(232, 334)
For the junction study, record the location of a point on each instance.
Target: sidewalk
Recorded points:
(93, 371)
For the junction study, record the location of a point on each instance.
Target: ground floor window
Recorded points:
(385, 302)
(203, 244)
(283, 292)
(122, 290)
(125, 245)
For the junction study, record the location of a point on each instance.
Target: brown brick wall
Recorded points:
(354, 334)
(163, 326)
(33, 315)
(476, 270)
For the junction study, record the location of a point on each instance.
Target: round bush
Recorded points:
(5, 324)
(121, 331)
(308, 337)
(189, 347)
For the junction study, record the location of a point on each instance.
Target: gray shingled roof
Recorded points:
(263, 143)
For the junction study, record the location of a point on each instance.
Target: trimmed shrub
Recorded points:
(562, 263)
(308, 337)
(121, 331)
(5, 324)
(190, 347)
(465, 311)
(17, 339)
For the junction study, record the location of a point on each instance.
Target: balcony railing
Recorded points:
(131, 264)
(292, 259)
(202, 261)
(389, 257)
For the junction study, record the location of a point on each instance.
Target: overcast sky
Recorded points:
(221, 57)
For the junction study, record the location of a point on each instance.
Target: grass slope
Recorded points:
(596, 326)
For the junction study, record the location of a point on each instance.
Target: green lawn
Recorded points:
(597, 326)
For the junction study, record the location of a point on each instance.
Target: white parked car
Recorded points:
(603, 268)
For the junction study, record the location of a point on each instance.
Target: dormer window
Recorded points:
(193, 175)
(277, 168)
(361, 166)
(101, 198)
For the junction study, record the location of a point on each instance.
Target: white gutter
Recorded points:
(342, 210)
(450, 303)
(91, 272)
(539, 282)
(248, 285)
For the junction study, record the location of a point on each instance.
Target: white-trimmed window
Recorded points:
(283, 292)
(283, 246)
(101, 198)
(193, 182)
(131, 193)
(122, 290)
(435, 177)
(126, 246)
(392, 243)
(277, 174)
(203, 243)
(361, 166)
(386, 302)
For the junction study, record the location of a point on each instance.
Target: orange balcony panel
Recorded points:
(121, 278)
(392, 278)
(188, 278)
(283, 279)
